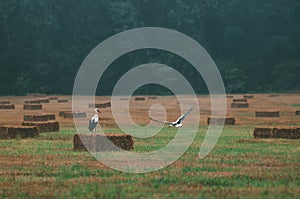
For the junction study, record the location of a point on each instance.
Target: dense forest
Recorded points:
(255, 43)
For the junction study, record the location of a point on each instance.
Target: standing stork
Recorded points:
(177, 123)
(94, 120)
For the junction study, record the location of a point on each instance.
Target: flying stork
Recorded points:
(94, 120)
(177, 123)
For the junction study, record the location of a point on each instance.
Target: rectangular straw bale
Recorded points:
(62, 100)
(75, 115)
(240, 100)
(239, 105)
(50, 126)
(297, 112)
(284, 132)
(4, 102)
(35, 101)
(53, 98)
(100, 142)
(217, 121)
(12, 132)
(42, 117)
(248, 96)
(44, 100)
(32, 107)
(7, 106)
(139, 99)
(267, 114)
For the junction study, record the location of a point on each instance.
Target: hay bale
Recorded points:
(12, 132)
(267, 114)
(62, 100)
(69, 114)
(152, 97)
(248, 96)
(98, 142)
(102, 105)
(229, 96)
(4, 102)
(239, 100)
(140, 98)
(32, 107)
(297, 112)
(32, 101)
(39, 118)
(239, 105)
(284, 132)
(44, 100)
(49, 126)
(53, 98)
(7, 106)
(274, 95)
(217, 121)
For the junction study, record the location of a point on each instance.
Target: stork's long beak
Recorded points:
(98, 111)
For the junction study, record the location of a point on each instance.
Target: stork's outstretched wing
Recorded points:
(181, 118)
(165, 122)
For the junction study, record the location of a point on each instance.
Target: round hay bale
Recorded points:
(32, 107)
(4, 102)
(239, 105)
(100, 142)
(267, 114)
(248, 96)
(12, 132)
(7, 106)
(239, 100)
(44, 126)
(39, 118)
(218, 121)
(297, 112)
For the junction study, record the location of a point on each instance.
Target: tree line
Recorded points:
(255, 44)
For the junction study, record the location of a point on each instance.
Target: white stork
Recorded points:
(94, 120)
(177, 123)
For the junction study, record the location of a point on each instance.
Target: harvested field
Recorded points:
(49, 126)
(217, 121)
(267, 114)
(285, 132)
(12, 132)
(39, 118)
(7, 106)
(98, 142)
(239, 105)
(32, 106)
